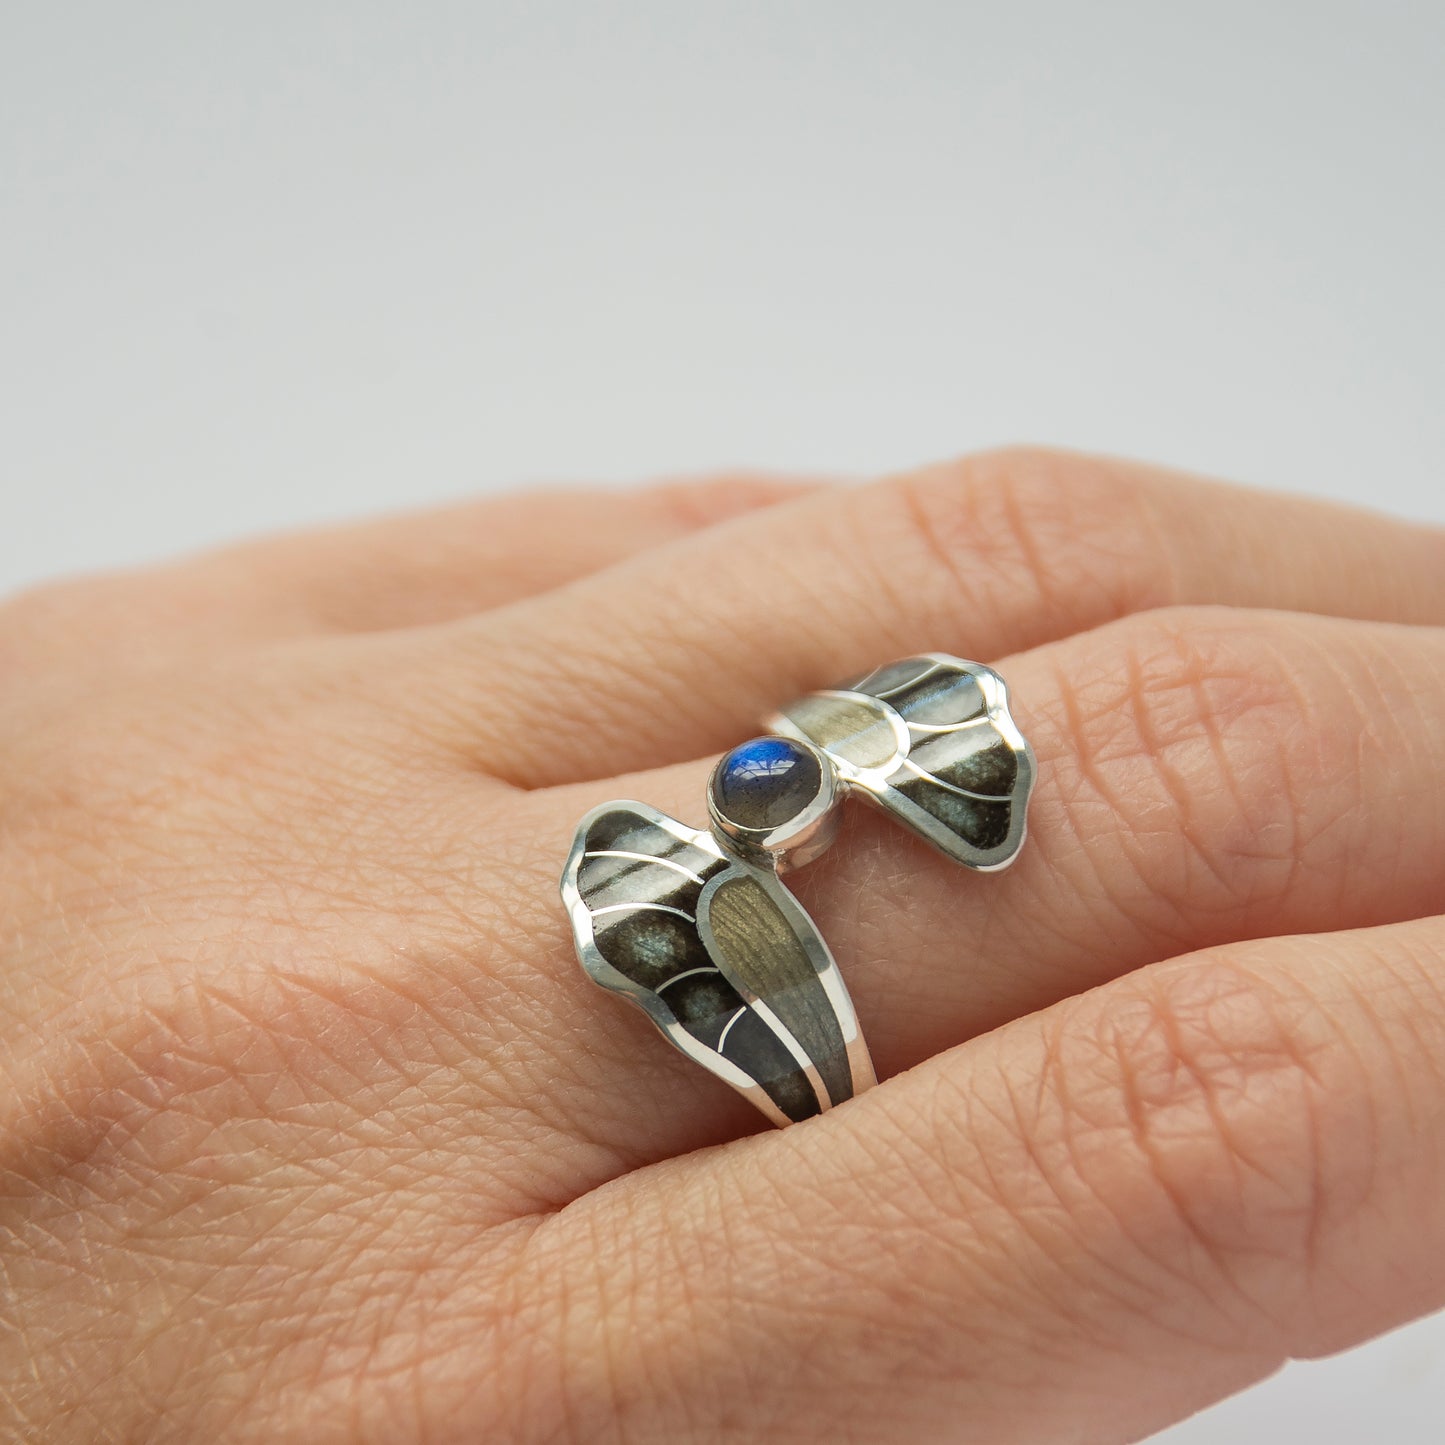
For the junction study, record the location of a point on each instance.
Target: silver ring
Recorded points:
(696, 927)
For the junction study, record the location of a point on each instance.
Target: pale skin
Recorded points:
(314, 1130)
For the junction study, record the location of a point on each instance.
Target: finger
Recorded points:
(1203, 776)
(1084, 1226)
(423, 567)
(679, 653)
(455, 561)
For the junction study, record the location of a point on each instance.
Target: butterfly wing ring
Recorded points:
(696, 926)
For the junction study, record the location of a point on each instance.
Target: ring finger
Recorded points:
(1206, 775)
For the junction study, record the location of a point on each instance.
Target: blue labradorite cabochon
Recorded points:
(765, 783)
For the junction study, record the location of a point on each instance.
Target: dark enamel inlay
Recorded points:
(982, 824)
(650, 946)
(976, 759)
(647, 930)
(760, 1054)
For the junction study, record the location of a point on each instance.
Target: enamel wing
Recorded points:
(720, 956)
(931, 741)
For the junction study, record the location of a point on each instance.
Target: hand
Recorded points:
(315, 1131)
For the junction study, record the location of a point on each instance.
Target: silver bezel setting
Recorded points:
(804, 837)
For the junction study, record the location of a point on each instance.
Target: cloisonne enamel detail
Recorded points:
(931, 741)
(696, 927)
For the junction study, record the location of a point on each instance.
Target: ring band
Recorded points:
(697, 928)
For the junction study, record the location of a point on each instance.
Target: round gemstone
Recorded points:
(765, 783)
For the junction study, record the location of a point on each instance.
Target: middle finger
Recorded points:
(669, 655)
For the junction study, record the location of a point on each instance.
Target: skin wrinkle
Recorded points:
(1082, 1277)
(1326, 1199)
(1402, 724)
(1369, 749)
(1143, 694)
(946, 539)
(366, 897)
(1179, 793)
(1351, 765)
(1192, 673)
(158, 1044)
(986, 1169)
(1107, 911)
(1040, 1283)
(1220, 1129)
(1021, 522)
(1283, 849)
(1389, 1073)
(1121, 1283)
(1015, 522)
(1400, 1090)
(1126, 1056)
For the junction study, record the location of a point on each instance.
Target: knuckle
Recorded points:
(1193, 1110)
(1207, 729)
(1209, 1069)
(1057, 524)
(703, 501)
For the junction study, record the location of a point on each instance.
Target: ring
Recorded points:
(696, 927)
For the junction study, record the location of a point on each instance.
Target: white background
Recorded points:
(274, 263)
